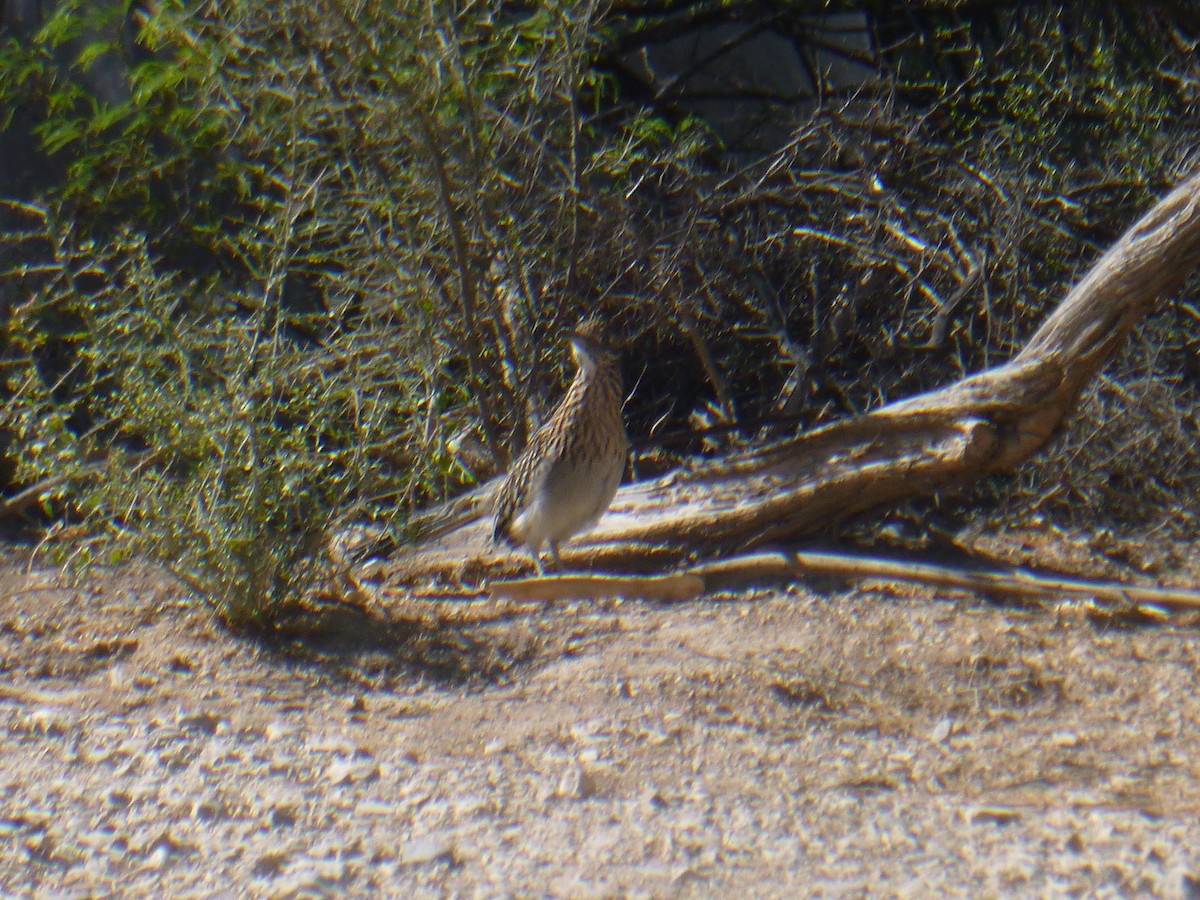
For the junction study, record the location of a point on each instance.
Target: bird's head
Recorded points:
(590, 346)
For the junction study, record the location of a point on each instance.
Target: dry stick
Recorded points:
(682, 586)
(35, 493)
(1012, 582)
(40, 490)
(738, 571)
(949, 309)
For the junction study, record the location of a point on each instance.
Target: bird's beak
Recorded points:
(579, 349)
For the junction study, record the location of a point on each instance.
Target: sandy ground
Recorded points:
(804, 740)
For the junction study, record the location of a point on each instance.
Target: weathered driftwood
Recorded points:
(805, 485)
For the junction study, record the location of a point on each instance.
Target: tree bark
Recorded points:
(807, 484)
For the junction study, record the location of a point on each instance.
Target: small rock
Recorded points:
(302, 883)
(688, 876)
(941, 731)
(327, 743)
(579, 783)
(653, 797)
(159, 850)
(48, 721)
(143, 681)
(374, 808)
(208, 809)
(283, 815)
(998, 815)
(333, 870)
(270, 863)
(118, 678)
(203, 721)
(345, 771)
(157, 858)
(429, 849)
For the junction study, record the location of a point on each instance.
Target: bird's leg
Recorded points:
(537, 560)
(554, 554)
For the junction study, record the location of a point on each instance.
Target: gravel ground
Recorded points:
(798, 741)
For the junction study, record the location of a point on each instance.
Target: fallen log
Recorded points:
(807, 484)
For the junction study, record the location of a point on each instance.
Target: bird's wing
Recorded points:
(543, 450)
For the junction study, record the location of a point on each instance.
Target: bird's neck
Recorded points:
(603, 379)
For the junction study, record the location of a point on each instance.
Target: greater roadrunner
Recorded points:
(566, 477)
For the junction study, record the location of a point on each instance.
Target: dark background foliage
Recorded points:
(266, 268)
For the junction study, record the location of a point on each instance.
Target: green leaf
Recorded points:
(105, 117)
(93, 51)
(57, 135)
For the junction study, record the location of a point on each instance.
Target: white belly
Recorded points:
(568, 503)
